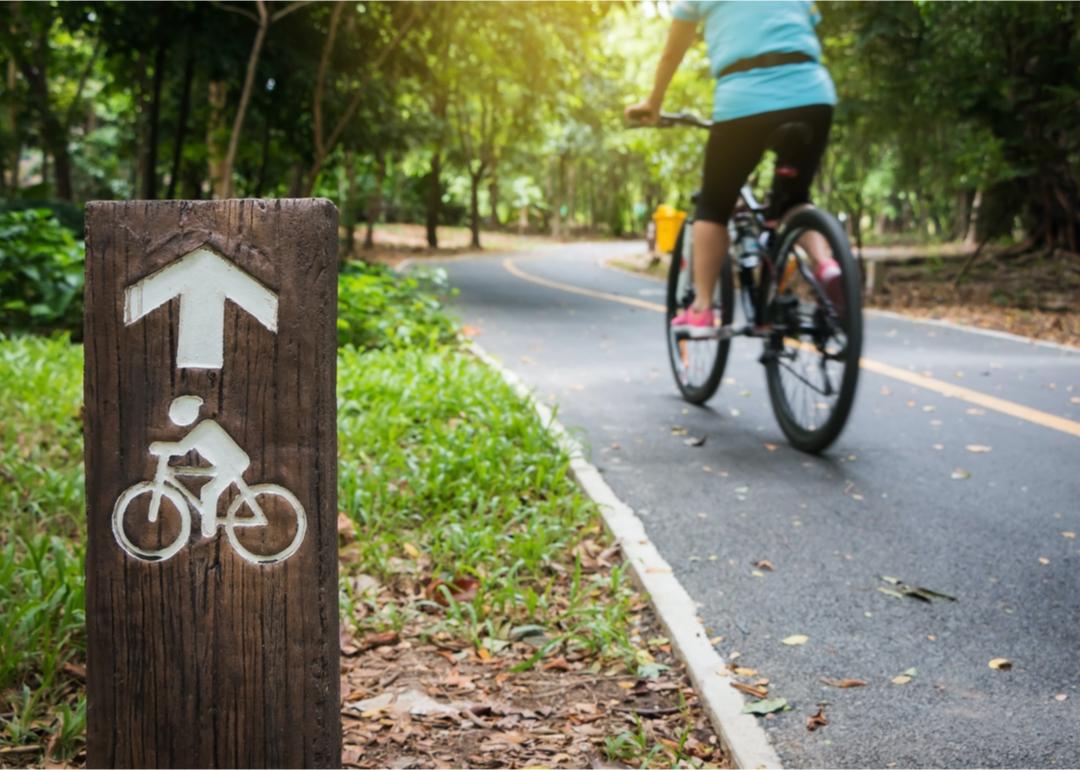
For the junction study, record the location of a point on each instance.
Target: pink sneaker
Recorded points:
(695, 323)
(832, 280)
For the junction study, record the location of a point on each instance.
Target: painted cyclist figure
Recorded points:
(766, 59)
(209, 439)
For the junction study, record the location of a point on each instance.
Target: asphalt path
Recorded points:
(900, 495)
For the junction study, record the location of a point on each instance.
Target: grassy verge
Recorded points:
(460, 526)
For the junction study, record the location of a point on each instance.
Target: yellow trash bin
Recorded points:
(668, 220)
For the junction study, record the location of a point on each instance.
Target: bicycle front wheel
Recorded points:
(697, 364)
(146, 539)
(812, 358)
(273, 537)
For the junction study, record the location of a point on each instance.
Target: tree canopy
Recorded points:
(954, 119)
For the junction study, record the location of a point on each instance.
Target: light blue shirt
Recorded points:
(740, 29)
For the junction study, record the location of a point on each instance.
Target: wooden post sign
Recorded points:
(211, 484)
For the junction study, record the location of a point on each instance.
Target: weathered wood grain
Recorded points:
(205, 659)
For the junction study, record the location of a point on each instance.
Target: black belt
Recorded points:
(764, 60)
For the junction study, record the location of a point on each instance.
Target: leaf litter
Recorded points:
(899, 589)
(814, 721)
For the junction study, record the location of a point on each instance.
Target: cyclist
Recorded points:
(214, 445)
(766, 59)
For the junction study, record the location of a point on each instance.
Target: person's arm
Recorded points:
(680, 37)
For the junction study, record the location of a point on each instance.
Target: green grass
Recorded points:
(446, 473)
(42, 615)
(450, 477)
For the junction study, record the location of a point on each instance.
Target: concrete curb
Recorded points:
(744, 739)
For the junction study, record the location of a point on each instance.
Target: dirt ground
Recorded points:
(397, 242)
(1033, 296)
(412, 703)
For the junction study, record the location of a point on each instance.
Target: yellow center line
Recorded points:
(513, 269)
(947, 389)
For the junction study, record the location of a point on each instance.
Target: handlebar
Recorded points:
(669, 119)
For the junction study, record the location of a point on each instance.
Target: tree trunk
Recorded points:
(474, 206)
(554, 188)
(374, 208)
(296, 184)
(226, 181)
(215, 127)
(53, 134)
(493, 202)
(434, 199)
(349, 214)
(182, 121)
(571, 195)
(149, 181)
(264, 160)
(13, 181)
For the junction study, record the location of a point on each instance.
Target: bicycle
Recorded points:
(811, 348)
(166, 485)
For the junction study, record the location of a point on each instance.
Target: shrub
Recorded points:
(41, 273)
(379, 309)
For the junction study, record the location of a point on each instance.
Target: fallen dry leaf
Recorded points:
(796, 639)
(751, 690)
(766, 706)
(345, 528)
(906, 676)
(843, 683)
(76, 670)
(765, 564)
(471, 331)
(977, 448)
(1000, 664)
(771, 447)
(740, 671)
(1069, 535)
(814, 721)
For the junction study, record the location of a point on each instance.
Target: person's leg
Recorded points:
(796, 164)
(208, 498)
(711, 244)
(734, 148)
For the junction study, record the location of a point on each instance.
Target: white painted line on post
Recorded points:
(744, 739)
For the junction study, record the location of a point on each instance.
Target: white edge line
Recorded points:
(744, 739)
(973, 330)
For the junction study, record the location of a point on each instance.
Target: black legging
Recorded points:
(735, 148)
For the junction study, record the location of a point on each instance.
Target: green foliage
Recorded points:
(379, 308)
(952, 98)
(41, 273)
(41, 552)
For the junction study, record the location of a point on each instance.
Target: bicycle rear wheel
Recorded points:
(697, 364)
(812, 360)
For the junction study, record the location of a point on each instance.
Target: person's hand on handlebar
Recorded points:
(646, 113)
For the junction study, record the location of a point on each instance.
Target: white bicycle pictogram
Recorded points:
(229, 462)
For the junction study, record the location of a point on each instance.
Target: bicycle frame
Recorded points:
(169, 475)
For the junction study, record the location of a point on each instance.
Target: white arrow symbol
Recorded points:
(203, 281)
